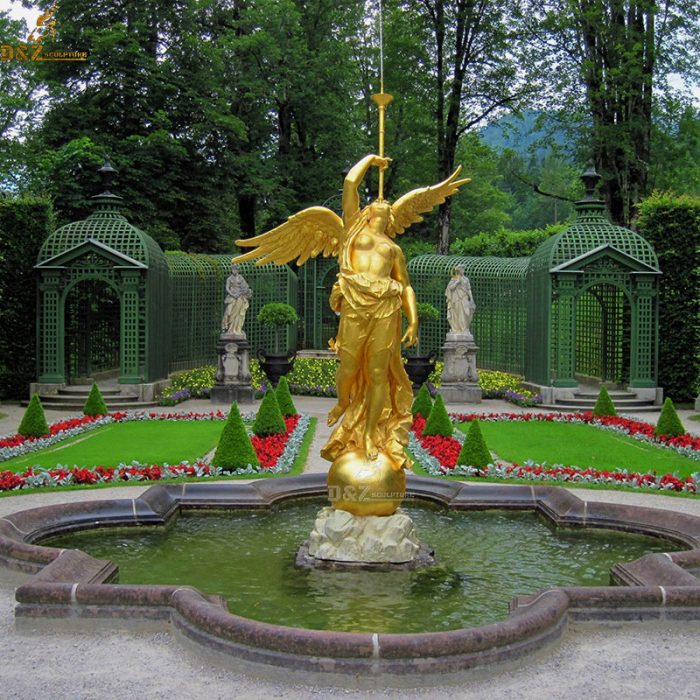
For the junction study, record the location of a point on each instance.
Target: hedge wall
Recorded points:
(24, 223)
(503, 243)
(672, 225)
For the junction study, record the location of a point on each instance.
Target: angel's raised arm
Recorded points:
(353, 180)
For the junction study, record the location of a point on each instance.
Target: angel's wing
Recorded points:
(302, 236)
(408, 209)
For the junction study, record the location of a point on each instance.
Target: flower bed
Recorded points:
(437, 455)
(276, 453)
(688, 445)
(316, 377)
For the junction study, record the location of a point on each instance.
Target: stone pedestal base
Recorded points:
(228, 393)
(341, 537)
(233, 370)
(459, 382)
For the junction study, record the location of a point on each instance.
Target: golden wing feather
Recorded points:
(408, 209)
(302, 236)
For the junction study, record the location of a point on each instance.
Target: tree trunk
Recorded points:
(444, 215)
(246, 214)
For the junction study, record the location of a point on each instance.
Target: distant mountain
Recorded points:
(522, 134)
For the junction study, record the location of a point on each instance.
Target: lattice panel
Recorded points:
(197, 303)
(51, 368)
(318, 322)
(602, 334)
(130, 341)
(499, 291)
(92, 314)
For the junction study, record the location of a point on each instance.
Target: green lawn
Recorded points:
(154, 442)
(580, 446)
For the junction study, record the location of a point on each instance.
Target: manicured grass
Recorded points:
(581, 446)
(152, 442)
(297, 468)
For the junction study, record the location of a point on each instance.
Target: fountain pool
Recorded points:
(71, 584)
(485, 558)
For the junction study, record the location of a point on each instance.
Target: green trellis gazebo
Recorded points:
(112, 303)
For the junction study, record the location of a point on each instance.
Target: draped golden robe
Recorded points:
(367, 304)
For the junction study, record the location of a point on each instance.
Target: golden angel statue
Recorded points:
(374, 392)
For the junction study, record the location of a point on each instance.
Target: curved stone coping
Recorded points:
(70, 584)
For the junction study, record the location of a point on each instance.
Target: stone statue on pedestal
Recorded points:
(233, 378)
(237, 298)
(460, 378)
(460, 302)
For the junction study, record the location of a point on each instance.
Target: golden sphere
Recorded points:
(364, 486)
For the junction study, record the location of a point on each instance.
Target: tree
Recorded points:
(19, 105)
(481, 206)
(621, 52)
(476, 73)
(675, 148)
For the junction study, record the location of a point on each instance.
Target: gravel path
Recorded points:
(48, 659)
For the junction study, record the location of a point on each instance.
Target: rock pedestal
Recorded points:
(343, 540)
(460, 378)
(233, 371)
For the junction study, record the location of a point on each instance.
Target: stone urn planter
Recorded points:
(419, 368)
(276, 365)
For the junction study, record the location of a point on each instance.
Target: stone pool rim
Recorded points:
(68, 584)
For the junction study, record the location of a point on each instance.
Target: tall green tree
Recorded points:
(615, 57)
(475, 70)
(20, 105)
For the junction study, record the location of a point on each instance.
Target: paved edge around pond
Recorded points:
(633, 660)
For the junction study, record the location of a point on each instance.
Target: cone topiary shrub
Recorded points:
(234, 450)
(669, 422)
(422, 404)
(269, 420)
(474, 452)
(438, 422)
(284, 398)
(34, 421)
(95, 404)
(604, 405)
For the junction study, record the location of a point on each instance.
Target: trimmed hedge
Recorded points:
(234, 450)
(422, 404)
(24, 224)
(95, 404)
(284, 398)
(604, 405)
(474, 452)
(672, 225)
(269, 420)
(438, 422)
(34, 421)
(669, 423)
